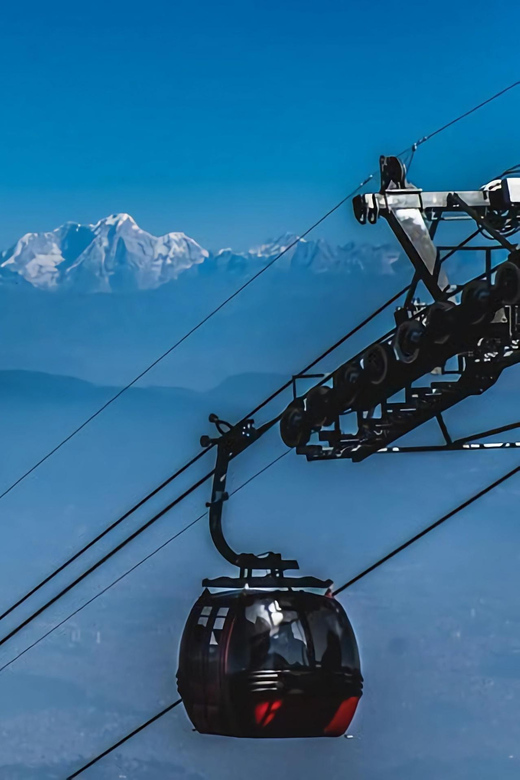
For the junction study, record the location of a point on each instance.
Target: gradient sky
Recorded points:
(236, 121)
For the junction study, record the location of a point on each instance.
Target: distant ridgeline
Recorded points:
(116, 255)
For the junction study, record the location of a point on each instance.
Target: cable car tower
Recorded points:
(271, 655)
(474, 326)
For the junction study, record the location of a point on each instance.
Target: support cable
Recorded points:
(428, 529)
(135, 566)
(100, 536)
(133, 733)
(464, 115)
(339, 590)
(103, 560)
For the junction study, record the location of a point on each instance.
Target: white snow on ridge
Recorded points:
(116, 255)
(113, 254)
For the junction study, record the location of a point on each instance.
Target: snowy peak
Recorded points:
(116, 255)
(318, 256)
(118, 220)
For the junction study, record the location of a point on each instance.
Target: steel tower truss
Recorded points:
(457, 345)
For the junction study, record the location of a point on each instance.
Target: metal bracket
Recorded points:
(233, 440)
(465, 443)
(268, 581)
(407, 209)
(480, 220)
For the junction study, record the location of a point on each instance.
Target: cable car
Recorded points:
(277, 663)
(265, 656)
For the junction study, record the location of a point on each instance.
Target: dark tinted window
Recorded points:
(291, 631)
(269, 635)
(332, 636)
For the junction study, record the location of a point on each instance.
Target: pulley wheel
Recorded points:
(378, 361)
(441, 322)
(319, 406)
(507, 283)
(408, 339)
(476, 304)
(348, 382)
(295, 428)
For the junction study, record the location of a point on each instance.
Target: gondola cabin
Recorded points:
(269, 663)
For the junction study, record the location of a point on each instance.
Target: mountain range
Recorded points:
(116, 255)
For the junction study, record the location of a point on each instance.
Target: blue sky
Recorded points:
(234, 121)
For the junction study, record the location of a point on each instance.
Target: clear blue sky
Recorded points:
(234, 121)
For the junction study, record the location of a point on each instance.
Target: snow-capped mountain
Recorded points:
(116, 255)
(113, 254)
(319, 256)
